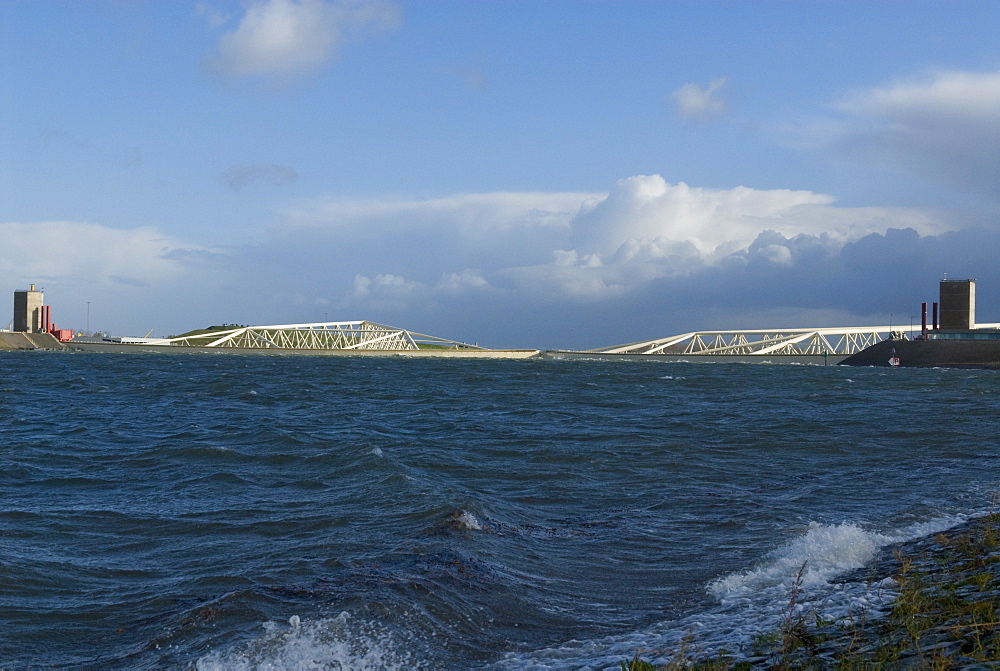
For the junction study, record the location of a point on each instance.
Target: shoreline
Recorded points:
(943, 611)
(943, 614)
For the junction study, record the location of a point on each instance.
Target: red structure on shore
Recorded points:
(30, 316)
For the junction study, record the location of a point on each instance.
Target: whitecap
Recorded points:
(753, 603)
(466, 520)
(823, 552)
(342, 642)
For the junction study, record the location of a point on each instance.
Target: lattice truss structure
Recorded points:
(358, 335)
(763, 342)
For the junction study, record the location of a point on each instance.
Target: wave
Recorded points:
(752, 603)
(342, 642)
(822, 552)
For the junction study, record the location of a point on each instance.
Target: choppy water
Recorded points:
(221, 511)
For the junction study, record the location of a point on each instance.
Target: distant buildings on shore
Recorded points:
(31, 315)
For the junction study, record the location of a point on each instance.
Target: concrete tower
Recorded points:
(28, 310)
(958, 305)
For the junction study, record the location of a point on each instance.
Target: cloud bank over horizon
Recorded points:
(487, 265)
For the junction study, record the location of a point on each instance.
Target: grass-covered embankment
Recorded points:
(946, 615)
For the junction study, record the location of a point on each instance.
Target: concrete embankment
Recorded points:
(10, 340)
(800, 359)
(127, 348)
(930, 354)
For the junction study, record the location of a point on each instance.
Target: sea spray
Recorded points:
(753, 604)
(342, 642)
(824, 550)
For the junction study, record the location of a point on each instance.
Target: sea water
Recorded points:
(245, 512)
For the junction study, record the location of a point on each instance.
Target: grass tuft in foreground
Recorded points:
(946, 615)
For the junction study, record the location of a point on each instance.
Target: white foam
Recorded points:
(921, 529)
(754, 602)
(751, 603)
(342, 642)
(466, 520)
(824, 551)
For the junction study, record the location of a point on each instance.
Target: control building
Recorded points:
(958, 305)
(957, 341)
(28, 312)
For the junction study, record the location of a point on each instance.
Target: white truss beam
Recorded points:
(355, 335)
(764, 342)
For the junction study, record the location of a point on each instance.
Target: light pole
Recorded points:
(88, 317)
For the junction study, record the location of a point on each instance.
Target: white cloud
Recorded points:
(387, 284)
(398, 287)
(575, 247)
(646, 207)
(474, 215)
(462, 281)
(641, 213)
(776, 254)
(388, 292)
(513, 269)
(285, 38)
(432, 236)
(66, 249)
(700, 103)
(972, 97)
(135, 278)
(944, 127)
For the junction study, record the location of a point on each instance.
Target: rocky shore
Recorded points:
(945, 615)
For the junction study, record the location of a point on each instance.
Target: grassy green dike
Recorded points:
(946, 615)
(194, 338)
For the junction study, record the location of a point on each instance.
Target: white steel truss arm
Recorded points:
(354, 335)
(763, 342)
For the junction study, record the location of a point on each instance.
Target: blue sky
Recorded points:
(521, 174)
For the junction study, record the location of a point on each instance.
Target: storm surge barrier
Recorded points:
(354, 335)
(765, 342)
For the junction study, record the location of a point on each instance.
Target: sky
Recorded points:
(537, 174)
